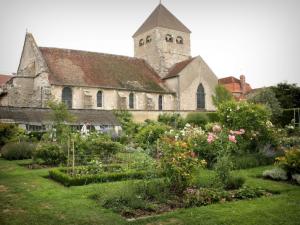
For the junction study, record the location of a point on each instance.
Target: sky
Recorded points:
(257, 38)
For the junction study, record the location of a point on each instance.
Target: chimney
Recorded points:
(243, 84)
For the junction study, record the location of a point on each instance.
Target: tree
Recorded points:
(222, 95)
(267, 97)
(288, 95)
(61, 117)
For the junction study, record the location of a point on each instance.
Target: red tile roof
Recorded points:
(177, 68)
(4, 78)
(82, 68)
(234, 85)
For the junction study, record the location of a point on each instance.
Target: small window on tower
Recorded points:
(169, 38)
(179, 40)
(141, 42)
(148, 39)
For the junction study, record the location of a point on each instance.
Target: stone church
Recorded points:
(162, 75)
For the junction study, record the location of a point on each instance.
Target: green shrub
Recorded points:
(206, 196)
(8, 132)
(197, 118)
(212, 117)
(50, 153)
(234, 182)
(125, 118)
(63, 177)
(251, 160)
(171, 119)
(149, 134)
(17, 150)
(275, 174)
(290, 162)
(105, 149)
(249, 193)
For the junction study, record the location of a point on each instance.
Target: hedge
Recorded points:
(60, 175)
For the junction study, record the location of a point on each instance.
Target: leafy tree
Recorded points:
(288, 95)
(267, 97)
(61, 117)
(222, 95)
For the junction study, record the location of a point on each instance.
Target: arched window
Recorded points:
(148, 39)
(131, 101)
(169, 38)
(66, 97)
(141, 42)
(179, 40)
(200, 97)
(99, 99)
(160, 102)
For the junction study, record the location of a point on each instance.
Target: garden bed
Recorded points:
(65, 177)
(133, 204)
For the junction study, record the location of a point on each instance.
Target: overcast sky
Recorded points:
(258, 38)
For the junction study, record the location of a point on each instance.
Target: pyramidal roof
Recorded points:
(162, 17)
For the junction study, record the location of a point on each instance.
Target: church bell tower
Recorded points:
(162, 41)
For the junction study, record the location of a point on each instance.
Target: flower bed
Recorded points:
(61, 175)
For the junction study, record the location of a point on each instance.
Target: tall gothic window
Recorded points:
(131, 101)
(99, 99)
(200, 97)
(160, 102)
(66, 96)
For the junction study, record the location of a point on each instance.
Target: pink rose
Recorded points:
(232, 138)
(210, 138)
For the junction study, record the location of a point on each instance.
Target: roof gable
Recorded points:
(82, 68)
(177, 68)
(161, 17)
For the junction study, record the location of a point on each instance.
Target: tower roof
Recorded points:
(161, 17)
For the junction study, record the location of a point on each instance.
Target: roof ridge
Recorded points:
(99, 53)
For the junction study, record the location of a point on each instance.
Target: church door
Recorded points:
(200, 97)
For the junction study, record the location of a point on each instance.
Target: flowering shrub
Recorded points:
(178, 162)
(253, 118)
(290, 162)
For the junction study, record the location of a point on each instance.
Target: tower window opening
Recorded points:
(179, 40)
(141, 42)
(169, 38)
(148, 39)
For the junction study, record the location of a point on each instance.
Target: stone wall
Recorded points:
(114, 99)
(195, 73)
(159, 53)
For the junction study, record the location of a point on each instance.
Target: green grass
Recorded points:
(26, 197)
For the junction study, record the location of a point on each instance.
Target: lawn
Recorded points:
(28, 197)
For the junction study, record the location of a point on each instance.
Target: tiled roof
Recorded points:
(43, 116)
(4, 78)
(234, 85)
(227, 80)
(177, 68)
(82, 68)
(161, 17)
